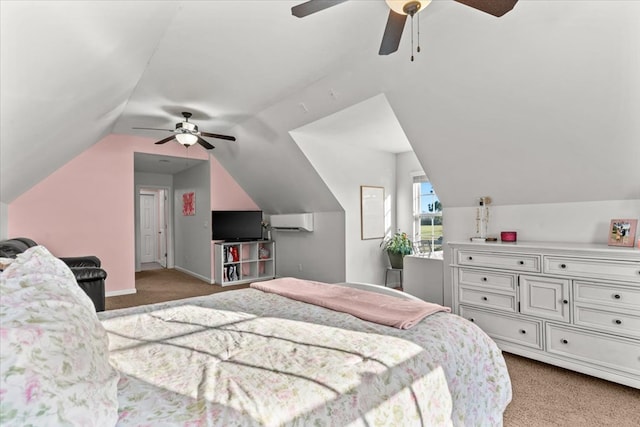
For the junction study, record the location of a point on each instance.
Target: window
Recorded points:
(427, 216)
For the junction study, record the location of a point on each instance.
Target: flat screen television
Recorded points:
(236, 225)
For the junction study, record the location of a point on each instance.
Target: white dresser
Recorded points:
(570, 305)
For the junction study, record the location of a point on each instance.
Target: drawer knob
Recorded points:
(563, 265)
(521, 262)
(564, 301)
(617, 296)
(522, 331)
(470, 258)
(472, 319)
(484, 279)
(618, 322)
(485, 299)
(563, 341)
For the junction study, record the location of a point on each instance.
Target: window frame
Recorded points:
(419, 215)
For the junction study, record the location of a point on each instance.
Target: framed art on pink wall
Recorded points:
(622, 232)
(189, 203)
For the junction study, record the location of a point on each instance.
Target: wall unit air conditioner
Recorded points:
(292, 222)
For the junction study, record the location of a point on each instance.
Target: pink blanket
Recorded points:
(371, 306)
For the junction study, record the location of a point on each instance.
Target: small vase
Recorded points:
(263, 253)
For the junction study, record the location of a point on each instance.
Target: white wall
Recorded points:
(192, 234)
(344, 169)
(4, 221)
(581, 222)
(319, 255)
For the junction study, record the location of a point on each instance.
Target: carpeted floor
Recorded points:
(543, 395)
(165, 285)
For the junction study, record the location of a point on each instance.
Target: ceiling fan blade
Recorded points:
(492, 7)
(162, 141)
(166, 130)
(205, 144)
(392, 33)
(313, 6)
(215, 135)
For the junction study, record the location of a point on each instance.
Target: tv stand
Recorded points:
(241, 262)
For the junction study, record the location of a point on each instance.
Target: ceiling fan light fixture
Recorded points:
(404, 7)
(186, 139)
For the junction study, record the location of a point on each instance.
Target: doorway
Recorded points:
(153, 230)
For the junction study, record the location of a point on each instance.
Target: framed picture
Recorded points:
(372, 212)
(189, 203)
(622, 232)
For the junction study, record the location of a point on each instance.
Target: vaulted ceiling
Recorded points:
(539, 106)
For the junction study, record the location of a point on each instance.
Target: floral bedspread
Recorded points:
(244, 357)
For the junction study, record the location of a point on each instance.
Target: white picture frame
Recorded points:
(371, 212)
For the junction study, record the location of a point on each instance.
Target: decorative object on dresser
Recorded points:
(508, 236)
(482, 219)
(236, 263)
(572, 305)
(622, 232)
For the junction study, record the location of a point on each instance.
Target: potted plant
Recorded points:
(397, 246)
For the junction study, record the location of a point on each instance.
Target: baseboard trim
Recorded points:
(191, 273)
(120, 292)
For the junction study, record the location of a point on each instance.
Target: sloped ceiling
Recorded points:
(539, 106)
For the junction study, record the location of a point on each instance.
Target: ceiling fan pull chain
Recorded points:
(418, 49)
(411, 37)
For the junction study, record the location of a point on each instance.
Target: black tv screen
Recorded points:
(236, 225)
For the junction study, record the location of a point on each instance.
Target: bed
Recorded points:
(247, 357)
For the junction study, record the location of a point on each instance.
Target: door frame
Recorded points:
(168, 209)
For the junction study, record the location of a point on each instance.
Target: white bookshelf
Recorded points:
(236, 263)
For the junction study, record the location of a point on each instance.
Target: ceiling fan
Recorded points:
(187, 134)
(398, 14)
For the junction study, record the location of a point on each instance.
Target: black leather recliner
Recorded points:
(86, 269)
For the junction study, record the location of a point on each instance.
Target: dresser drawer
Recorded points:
(614, 353)
(501, 281)
(520, 331)
(606, 294)
(617, 322)
(529, 263)
(487, 299)
(592, 268)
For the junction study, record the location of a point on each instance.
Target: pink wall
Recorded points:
(226, 193)
(87, 206)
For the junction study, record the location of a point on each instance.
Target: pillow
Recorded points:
(54, 358)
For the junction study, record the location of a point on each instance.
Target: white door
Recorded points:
(148, 228)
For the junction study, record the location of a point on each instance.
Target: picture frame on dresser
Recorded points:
(622, 232)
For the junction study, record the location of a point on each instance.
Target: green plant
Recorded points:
(399, 244)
